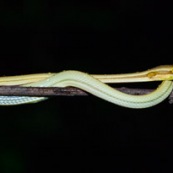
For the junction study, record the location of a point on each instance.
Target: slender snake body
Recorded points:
(95, 86)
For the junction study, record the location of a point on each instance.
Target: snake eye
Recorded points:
(151, 74)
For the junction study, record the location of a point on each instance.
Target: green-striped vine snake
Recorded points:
(96, 85)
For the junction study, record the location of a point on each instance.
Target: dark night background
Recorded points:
(96, 37)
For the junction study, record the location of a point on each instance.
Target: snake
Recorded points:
(96, 85)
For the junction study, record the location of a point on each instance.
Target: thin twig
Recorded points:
(68, 91)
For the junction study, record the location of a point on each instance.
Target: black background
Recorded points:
(96, 37)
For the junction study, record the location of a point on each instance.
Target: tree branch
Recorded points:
(68, 91)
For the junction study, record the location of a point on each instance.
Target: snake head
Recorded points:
(164, 72)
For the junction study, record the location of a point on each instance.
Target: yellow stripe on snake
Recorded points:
(96, 85)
